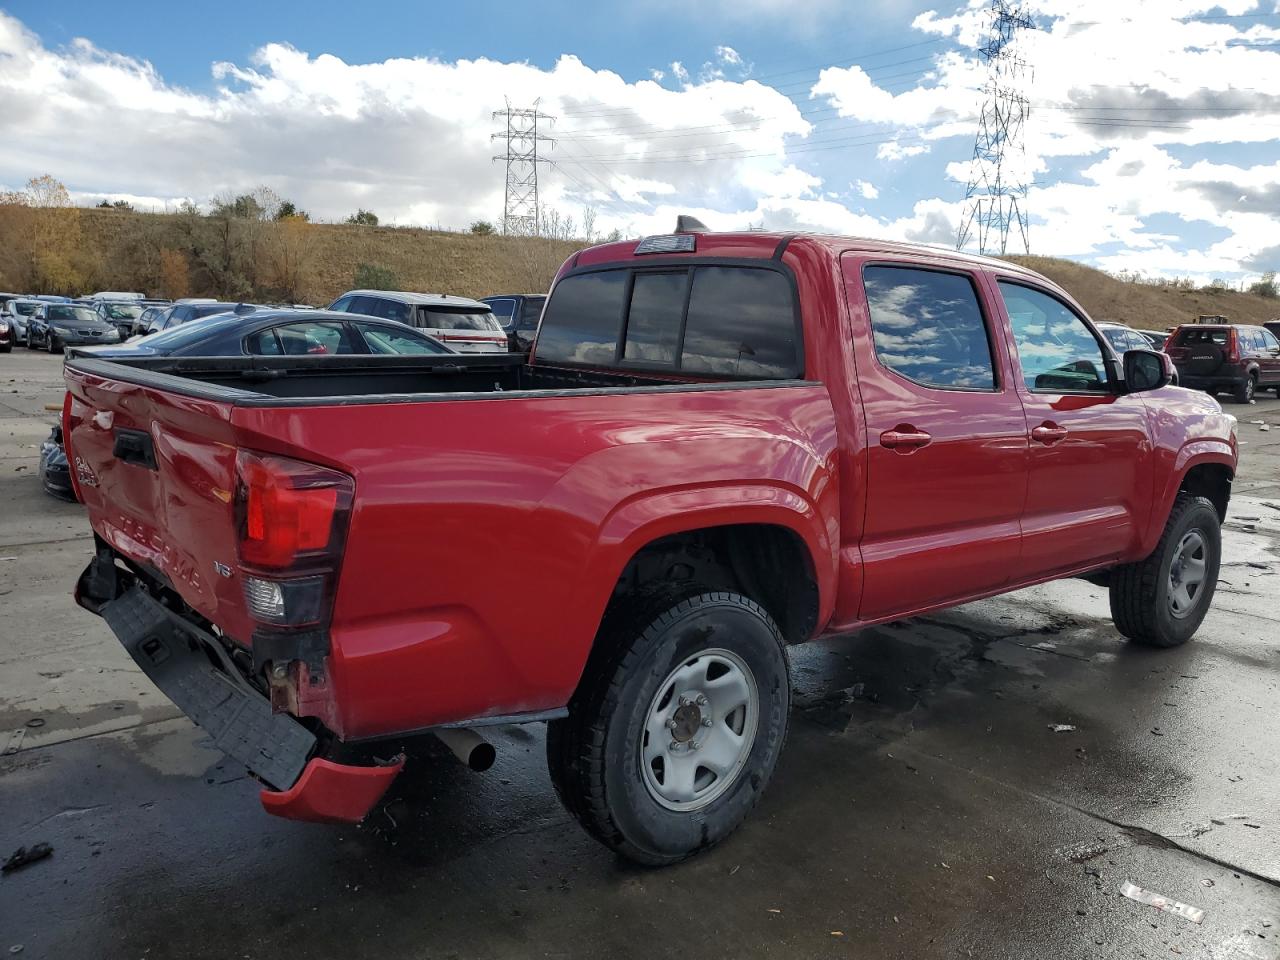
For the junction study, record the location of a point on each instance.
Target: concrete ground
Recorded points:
(923, 807)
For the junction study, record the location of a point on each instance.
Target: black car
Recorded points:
(57, 325)
(121, 314)
(262, 332)
(180, 313)
(519, 314)
(55, 474)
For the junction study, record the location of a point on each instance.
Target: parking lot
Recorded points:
(925, 806)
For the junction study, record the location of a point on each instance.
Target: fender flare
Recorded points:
(1193, 454)
(633, 524)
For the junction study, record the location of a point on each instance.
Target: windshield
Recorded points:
(187, 333)
(63, 314)
(25, 307)
(435, 319)
(122, 311)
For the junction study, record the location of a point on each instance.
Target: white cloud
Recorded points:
(866, 189)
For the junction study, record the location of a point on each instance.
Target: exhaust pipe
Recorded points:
(468, 746)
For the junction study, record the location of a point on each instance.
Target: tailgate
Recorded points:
(157, 473)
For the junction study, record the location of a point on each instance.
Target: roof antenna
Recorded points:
(688, 224)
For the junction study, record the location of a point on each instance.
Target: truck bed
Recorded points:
(327, 380)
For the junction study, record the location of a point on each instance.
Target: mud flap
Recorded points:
(198, 676)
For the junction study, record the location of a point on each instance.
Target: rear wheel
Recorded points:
(1161, 601)
(673, 737)
(1244, 391)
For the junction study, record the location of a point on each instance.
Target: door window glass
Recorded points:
(1269, 341)
(503, 308)
(928, 327)
(315, 338)
(530, 312)
(381, 339)
(262, 344)
(1057, 351)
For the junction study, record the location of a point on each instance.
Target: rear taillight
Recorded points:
(1233, 347)
(292, 520)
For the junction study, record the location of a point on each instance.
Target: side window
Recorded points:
(364, 305)
(928, 327)
(1057, 351)
(583, 317)
(381, 339)
(742, 321)
(315, 338)
(342, 305)
(503, 308)
(530, 311)
(1269, 341)
(653, 322)
(262, 344)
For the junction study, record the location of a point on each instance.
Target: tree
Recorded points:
(116, 205)
(289, 255)
(175, 275)
(482, 228)
(364, 217)
(287, 210)
(42, 231)
(372, 276)
(1266, 287)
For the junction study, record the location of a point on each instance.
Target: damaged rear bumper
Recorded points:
(193, 669)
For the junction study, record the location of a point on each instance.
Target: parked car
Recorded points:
(114, 295)
(518, 315)
(6, 297)
(467, 326)
(121, 314)
(17, 313)
(55, 475)
(276, 333)
(791, 436)
(1123, 338)
(149, 317)
(57, 325)
(51, 298)
(8, 334)
(1156, 338)
(184, 311)
(1238, 358)
(1273, 326)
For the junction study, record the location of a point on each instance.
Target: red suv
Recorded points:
(1218, 357)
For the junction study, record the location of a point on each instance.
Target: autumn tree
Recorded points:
(175, 275)
(43, 251)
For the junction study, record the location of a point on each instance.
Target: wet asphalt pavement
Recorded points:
(923, 806)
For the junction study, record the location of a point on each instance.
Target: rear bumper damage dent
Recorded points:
(192, 669)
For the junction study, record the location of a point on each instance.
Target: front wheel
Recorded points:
(51, 344)
(675, 732)
(1161, 601)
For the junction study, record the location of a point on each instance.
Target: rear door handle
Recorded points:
(1048, 433)
(905, 438)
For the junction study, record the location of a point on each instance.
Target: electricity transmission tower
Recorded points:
(521, 212)
(996, 195)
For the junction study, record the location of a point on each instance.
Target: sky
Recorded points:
(1152, 143)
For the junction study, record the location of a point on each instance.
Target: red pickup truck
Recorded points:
(721, 444)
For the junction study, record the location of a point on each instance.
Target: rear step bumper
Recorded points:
(193, 670)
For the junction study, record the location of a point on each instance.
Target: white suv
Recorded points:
(467, 326)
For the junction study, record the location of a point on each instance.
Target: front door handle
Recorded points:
(1048, 433)
(904, 438)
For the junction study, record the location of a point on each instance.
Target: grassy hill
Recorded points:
(123, 250)
(1148, 306)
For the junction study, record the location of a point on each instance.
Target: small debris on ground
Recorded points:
(26, 855)
(1061, 727)
(1163, 903)
(35, 722)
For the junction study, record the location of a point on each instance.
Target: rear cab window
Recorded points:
(706, 320)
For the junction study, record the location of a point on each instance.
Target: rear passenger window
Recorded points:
(582, 319)
(928, 327)
(653, 323)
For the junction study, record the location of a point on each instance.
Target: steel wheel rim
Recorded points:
(1187, 573)
(699, 730)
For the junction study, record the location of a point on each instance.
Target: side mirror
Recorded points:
(1146, 370)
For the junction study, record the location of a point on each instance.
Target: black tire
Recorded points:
(1244, 390)
(1140, 592)
(594, 754)
(51, 344)
(6, 348)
